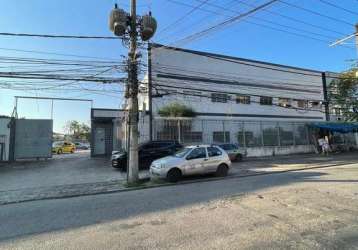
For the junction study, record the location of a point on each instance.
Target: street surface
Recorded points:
(310, 209)
(77, 174)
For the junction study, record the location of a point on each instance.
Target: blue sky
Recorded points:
(242, 39)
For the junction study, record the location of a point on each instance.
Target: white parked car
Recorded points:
(192, 160)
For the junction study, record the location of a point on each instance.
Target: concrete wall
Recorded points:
(33, 138)
(272, 151)
(5, 136)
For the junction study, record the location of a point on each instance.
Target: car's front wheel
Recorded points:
(222, 170)
(174, 175)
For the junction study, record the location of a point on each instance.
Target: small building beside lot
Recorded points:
(106, 131)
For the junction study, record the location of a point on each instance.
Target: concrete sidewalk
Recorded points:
(265, 165)
(249, 167)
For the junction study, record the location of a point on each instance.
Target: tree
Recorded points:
(176, 110)
(343, 95)
(77, 130)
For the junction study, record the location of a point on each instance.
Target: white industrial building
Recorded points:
(262, 106)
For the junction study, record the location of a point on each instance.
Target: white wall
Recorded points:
(272, 83)
(272, 151)
(5, 131)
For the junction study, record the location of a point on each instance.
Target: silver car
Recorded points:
(192, 160)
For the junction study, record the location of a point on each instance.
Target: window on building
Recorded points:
(191, 136)
(314, 104)
(265, 100)
(192, 95)
(243, 99)
(220, 136)
(270, 134)
(302, 104)
(219, 97)
(284, 102)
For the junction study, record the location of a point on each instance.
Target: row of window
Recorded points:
(268, 136)
(264, 100)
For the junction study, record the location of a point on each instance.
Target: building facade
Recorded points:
(107, 128)
(218, 86)
(262, 106)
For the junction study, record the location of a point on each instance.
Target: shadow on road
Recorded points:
(32, 218)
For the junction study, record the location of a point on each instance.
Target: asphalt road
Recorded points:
(301, 210)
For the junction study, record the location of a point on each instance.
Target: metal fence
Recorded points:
(245, 133)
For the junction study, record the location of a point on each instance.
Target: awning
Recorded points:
(340, 127)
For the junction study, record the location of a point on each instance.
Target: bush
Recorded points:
(176, 110)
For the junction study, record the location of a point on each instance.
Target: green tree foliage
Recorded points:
(77, 130)
(176, 110)
(343, 95)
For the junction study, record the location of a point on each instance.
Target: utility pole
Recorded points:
(129, 26)
(133, 175)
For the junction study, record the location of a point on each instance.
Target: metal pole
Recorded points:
(325, 96)
(356, 40)
(16, 102)
(51, 109)
(133, 176)
(150, 100)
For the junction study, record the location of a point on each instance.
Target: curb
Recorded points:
(128, 189)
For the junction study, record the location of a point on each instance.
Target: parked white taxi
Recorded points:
(192, 160)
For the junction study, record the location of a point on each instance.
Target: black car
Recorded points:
(148, 152)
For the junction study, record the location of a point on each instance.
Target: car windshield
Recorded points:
(55, 144)
(181, 153)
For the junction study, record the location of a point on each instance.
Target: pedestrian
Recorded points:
(323, 143)
(325, 146)
(320, 143)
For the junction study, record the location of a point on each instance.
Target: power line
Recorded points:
(316, 13)
(268, 21)
(224, 23)
(196, 22)
(248, 89)
(54, 53)
(273, 28)
(56, 36)
(229, 93)
(237, 61)
(338, 7)
(182, 17)
(293, 19)
(226, 74)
